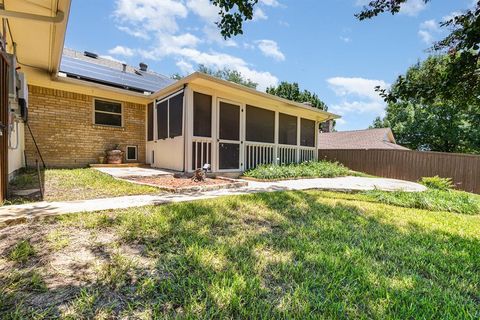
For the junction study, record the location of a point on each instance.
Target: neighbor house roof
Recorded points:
(381, 138)
(108, 72)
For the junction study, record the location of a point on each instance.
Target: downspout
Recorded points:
(185, 100)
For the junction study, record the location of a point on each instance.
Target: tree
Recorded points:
(233, 13)
(379, 123)
(426, 115)
(291, 91)
(229, 75)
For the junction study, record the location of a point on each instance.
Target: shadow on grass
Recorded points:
(268, 255)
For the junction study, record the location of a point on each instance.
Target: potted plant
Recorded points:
(115, 155)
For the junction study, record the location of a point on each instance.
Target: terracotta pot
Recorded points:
(114, 156)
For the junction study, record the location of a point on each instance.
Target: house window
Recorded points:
(162, 120)
(132, 153)
(108, 113)
(287, 133)
(260, 125)
(170, 117)
(307, 133)
(175, 114)
(150, 122)
(202, 115)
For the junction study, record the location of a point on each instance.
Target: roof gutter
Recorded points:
(35, 17)
(195, 75)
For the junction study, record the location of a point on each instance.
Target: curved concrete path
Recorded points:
(10, 214)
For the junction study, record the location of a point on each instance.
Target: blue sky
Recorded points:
(317, 43)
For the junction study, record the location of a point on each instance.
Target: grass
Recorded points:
(273, 255)
(311, 169)
(22, 251)
(432, 199)
(78, 184)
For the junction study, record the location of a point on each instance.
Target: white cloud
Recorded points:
(357, 95)
(345, 39)
(271, 3)
(122, 51)
(159, 21)
(431, 25)
(270, 48)
(413, 7)
(427, 31)
(204, 9)
(451, 15)
(259, 14)
(185, 67)
(426, 36)
(360, 87)
(111, 58)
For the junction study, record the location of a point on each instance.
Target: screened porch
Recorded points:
(235, 136)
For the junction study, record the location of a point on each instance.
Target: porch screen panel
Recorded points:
(150, 122)
(202, 115)
(307, 133)
(287, 131)
(176, 115)
(162, 120)
(260, 125)
(229, 121)
(229, 156)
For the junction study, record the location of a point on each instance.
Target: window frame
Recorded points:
(155, 111)
(107, 112)
(136, 153)
(213, 109)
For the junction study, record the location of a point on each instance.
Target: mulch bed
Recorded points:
(173, 182)
(185, 184)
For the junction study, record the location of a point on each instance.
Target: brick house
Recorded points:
(80, 105)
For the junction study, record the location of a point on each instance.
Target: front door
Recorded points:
(229, 136)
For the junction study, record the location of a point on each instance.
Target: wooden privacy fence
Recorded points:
(464, 169)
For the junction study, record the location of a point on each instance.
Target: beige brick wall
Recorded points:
(62, 123)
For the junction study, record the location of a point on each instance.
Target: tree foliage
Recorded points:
(291, 91)
(232, 15)
(426, 114)
(229, 75)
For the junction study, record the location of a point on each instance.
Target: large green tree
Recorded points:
(229, 75)
(425, 114)
(291, 91)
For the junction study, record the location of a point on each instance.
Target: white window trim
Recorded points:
(136, 153)
(107, 112)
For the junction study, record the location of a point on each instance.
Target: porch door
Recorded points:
(3, 128)
(229, 137)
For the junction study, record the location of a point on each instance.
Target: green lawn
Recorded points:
(77, 184)
(311, 169)
(271, 255)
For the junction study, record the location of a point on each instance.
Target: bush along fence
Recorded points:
(463, 169)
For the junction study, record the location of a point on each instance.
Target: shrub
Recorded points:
(437, 183)
(310, 169)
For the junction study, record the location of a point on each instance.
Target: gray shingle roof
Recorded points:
(108, 72)
(381, 138)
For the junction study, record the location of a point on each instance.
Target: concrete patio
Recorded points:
(18, 213)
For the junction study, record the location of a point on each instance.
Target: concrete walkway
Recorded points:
(22, 212)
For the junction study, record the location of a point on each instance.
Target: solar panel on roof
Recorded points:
(141, 81)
